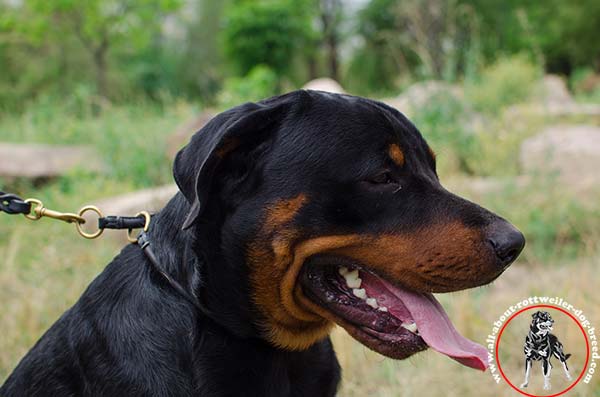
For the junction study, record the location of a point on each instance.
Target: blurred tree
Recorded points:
(378, 58)
(201, 69)
(423, 38)
(267, 32)
(563, 35)
(331, 17)
(99, 25)
(140, 48)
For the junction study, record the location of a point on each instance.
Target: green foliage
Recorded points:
(200, 65)
(555, 222)
(373, 67)
(442, 121)
(268, 32)
(260, 83)
(563, 34)
(56, 45)
(419, 39)
(505, 82)
(153, 49)
(586, 85)
(571, 37)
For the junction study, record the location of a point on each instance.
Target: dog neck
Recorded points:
(172, 245)
(195, 259)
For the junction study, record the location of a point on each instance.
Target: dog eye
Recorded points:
(383, 182)
(382, 179)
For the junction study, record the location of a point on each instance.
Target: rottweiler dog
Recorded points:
(295, 213)
(541, 345)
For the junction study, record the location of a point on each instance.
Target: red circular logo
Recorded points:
(587, 349)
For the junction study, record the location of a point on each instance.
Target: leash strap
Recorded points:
(144, 242)
(13, 204)
(121, 222)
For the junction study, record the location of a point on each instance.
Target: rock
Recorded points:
(184, 132)
(419, 94)
(477, 187)
(555, 91)
(573, 151)
(324, 84)
(45, 161)
(573, 110)
(554, 110)
(129, 204)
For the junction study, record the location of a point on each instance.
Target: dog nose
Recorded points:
(506, 240)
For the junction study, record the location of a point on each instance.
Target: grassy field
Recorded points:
(45, 265)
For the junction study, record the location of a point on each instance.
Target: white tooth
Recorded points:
(352, 279)
(360, 293)
(383, 309)
(354, 283)
(343, 270)
(412, 327)
(372, 302)
(352, 274)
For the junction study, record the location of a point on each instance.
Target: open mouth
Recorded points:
(385, 317)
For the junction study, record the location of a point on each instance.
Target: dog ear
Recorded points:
(196, 164)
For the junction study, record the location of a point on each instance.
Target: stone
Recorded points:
(129, 204)
(34, 161)
(555, 91)
(572, 151)
(324, 84)
(419, 94)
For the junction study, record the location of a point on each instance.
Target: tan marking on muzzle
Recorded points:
(431, 259)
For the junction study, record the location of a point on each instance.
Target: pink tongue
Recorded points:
(437, 330)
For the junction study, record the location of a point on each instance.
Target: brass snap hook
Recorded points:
(40, 211)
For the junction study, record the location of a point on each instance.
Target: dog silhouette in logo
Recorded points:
(541, 345)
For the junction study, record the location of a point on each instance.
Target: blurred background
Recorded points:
(96, 97)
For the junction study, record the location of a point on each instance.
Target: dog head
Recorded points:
(327, 208)
(541, 324)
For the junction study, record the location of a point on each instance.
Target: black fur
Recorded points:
(131, 334)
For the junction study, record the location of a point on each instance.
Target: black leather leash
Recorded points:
(121, 222)
(144, 243)
(12, 204)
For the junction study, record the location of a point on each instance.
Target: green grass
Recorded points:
(558, 224)
(131, 139)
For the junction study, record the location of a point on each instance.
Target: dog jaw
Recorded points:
(292, 321)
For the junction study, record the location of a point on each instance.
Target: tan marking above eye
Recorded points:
(396, 154)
